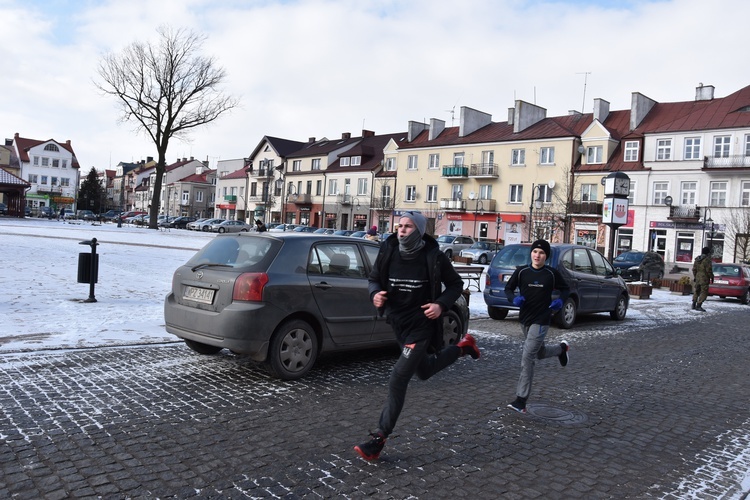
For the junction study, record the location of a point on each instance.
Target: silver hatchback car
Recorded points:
(283, 298)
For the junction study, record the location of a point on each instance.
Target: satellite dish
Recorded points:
(471, 195)
(551, 184)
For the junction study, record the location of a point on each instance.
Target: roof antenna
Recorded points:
(585, 79)
(452, 111)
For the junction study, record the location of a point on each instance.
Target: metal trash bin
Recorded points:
(86, 269)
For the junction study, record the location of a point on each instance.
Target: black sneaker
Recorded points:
(518, 405)
(700, 308)
(469, 346)
(563, 357)
(372, 448)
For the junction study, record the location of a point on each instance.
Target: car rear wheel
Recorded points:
(621, 309)
(567, 315)
(483, 259)
(449, 253)
(202, 348)
(221, 229)
(293, 350)
(745, 299)
(497, 313)
(452, 328)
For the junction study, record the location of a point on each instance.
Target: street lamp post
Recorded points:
(497, 229)
(707, 220)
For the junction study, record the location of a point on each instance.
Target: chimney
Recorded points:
(414, 129)
(8, 142)
(191, 158)
(149, 159)
(640, 105)
(368, 133)
(472, 120)
(601, 110)
(436, 128)
(511, 115)
(704, 93)
(346, 135)
(527, 115)
(311, 139)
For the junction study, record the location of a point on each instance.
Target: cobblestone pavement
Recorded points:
(658, 413)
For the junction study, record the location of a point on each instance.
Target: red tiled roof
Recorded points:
(24, 145)
(237, 174)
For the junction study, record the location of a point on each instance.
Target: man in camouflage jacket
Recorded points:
(703, 274)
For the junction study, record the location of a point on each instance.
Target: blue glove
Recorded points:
(556, 305)
(518, 301)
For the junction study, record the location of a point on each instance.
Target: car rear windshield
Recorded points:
(512, 256)
(629, 257)
(727, 270)
(252, 253)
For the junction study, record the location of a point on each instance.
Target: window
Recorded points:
(412, 163)
(45, 161)
(254, 188)
(745, 194)
(199, 196)
(747, 145)
(316, 164)
(547, 156)
(456, 192)
(362, 186)
(308, 187)
(488, 158)
(434, 161)
(390, 164)
(52, 147)
(458, 159)
(631, 150)
(688, 191)
(485, 191)
(516, 193)
(55, 163)
(661, 191)
(411, 193)
(54, 181)
(718, 194)
(344, 161)
(33, 178)
(721, 146)
(36, 161)
(185, 197)
(356, 161)
(296, 165)
(594, 154)
(588, 192)
(65, 182)
(631, 193)
(385, 194)
(545, 193)
(692, 148)
(432, 194)
(64, 163)
(518, 157)
(44, 180)
(333, 187)
(663, 149)
(347, 186)
(318, 188)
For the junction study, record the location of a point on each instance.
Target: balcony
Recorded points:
(733, 161)
(300, 199)
(51, 190)
(480, 205)
(685, 213)
(455, 205)
(230, 198)
(484, 170)
(455, 172)
(586, 207)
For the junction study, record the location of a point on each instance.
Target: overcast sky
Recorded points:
(315, 68)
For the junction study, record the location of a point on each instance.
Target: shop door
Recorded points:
(658, 238)
(483, 229)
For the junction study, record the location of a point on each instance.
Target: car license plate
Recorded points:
(721, 282)
(203, 295)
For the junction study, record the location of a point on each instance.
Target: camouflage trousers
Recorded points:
(700, 292)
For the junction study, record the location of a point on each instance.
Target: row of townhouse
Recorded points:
(528, 177)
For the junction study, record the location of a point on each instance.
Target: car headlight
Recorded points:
(633, 268)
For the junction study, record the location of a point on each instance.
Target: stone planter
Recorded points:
(681, 289)
(640, 290)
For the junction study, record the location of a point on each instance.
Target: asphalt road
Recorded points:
(657, 412)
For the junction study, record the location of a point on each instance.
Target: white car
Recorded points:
(230, 226)
(206, 224)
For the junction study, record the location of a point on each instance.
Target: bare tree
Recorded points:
(168, 88)
(737, 234)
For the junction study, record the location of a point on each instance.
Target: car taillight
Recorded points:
(249, 287)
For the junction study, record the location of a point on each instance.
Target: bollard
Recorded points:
(88, 268)
(119, 220)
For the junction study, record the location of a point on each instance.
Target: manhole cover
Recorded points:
(558, 415)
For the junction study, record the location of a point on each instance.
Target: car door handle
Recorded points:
(323, 285)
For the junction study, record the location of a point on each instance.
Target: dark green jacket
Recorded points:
(703, 272)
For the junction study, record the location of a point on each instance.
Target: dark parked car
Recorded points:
(594, 283)
(111, 215)
(3, 209)
(182, 222)
(46, 212)
(731, 280)
(639, 266)
(282, 299)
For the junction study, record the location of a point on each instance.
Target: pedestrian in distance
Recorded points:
(536, 282)
(62, 214)
(372, 233)
(406, 283)
(259, 226)
(703, 274)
